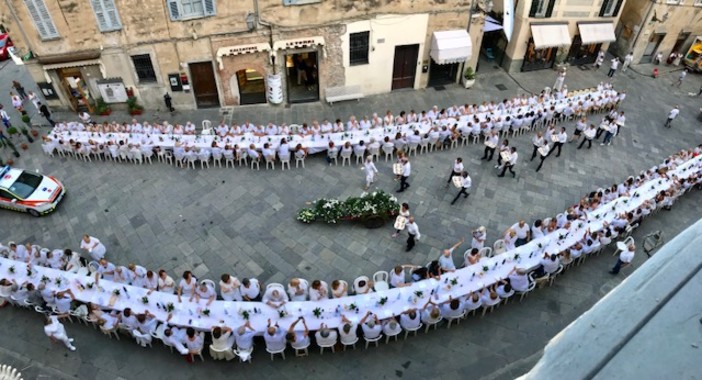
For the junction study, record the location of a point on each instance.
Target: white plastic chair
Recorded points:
(629, 240)
(498, 247)
(487, 251)
(358, 280)
(412, 148)
(226, 354)
(228, 158)
(346, 157)
(284, 160)
(380, 281)
(217, 158)
(206, 127)
(328, 342)
(274, 352)
(388, 150)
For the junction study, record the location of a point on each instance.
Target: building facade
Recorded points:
(550, 32)
(217, 53)
(647, 28)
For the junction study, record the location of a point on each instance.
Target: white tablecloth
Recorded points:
(315, 143)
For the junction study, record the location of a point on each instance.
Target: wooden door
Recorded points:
(204, 85)
(405, 66)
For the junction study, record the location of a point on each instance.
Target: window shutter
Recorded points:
(209, 7)
(112, 15)
(174, 9)
(603, 10)
(41, 17)
(99, 14)
(617, 7)
(549, 11)
(534, 7)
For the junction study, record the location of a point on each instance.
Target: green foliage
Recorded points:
(469, 73)
(377, 203)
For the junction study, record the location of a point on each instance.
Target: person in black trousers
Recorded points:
(490, 145)
(538, 140)
(545, 152)
(412, 232)
(503, 147)
(406, 170)
(45, 111)
(466, 183)
(562, 138)
(510, 164)
(589, 135)
(456, 170)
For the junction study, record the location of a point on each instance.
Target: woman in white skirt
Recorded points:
(404, 214)
(93, 246)
(371, 170)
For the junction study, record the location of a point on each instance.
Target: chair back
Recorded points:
(499, 246)
(380, 275)
(210, 284)
(487, 251)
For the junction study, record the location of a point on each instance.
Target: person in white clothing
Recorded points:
(371, 326)
(627, 61)
(510, 164)
(274, 338)
(672, 115)
(412, 232)
(250, 289)
(519, 280)
(348, 332)
(456, 170)
(165, 282)
(298, 289)
(244, 336)
(523, 233)
(613, 67)
(229, 288)
(479, 237)
(371, 170)
(446, 263)
(93, 246)
(222, 341)
(406, 171)
(466, 183)
(625, 258)
(57, 332)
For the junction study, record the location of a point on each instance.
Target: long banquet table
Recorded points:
(385, 304)
(315, 143)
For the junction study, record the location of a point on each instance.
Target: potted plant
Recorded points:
(24, 146)
(468, 77)
(134, 107)
(27, 120)
(102, 108)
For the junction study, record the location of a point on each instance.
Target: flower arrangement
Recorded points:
(12, 269)
(317, 312)
(29, 272)
(170, 307)
(145, 300)
(206, 312)
(419, 293)
(282, 313)
(353, 306)
(516, 256)
(377, 203)
(90, 285)
(57, 281)
(383, 300)
(116, 292)
(485, 268)
(454, 281)
(244, 314)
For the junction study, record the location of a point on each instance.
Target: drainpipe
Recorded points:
(19, 25)
(270, 32)
(643, 23)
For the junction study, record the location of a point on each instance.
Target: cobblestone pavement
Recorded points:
(241, 221)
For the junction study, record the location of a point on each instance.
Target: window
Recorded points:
(698, 3)
(42, 19)
(358, 48)
(541, 8)
(144, 69)
(187, 9)
(106, 15)
(25, 185)
(610, 8)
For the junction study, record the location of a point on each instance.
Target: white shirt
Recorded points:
(166, 285)
(446, 262)
(673, 113)
(245, 340)
(413, 229)
(397, 280)
(522, 232)
(371, 332)
(222, 343)
(408, 323)
(89, 245)
(466, 182)
(406, 169)
(457, 167)
(550, 266)
(230, 290)
(513, 158)
(252, 291)
(519, 282)
(276, 341)
(186, 288)
(55, 329)
(626, 256)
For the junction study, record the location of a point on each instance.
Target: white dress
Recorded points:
(96, 253)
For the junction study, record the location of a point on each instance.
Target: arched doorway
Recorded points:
(252, 87)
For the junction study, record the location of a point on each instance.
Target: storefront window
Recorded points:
(580, 54)
(537, 59)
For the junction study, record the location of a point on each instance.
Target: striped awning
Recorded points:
(298, 43)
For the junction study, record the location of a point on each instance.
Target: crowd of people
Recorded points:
(189, 342)
(441, 127)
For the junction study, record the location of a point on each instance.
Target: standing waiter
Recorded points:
(466, 183)
(456, 171)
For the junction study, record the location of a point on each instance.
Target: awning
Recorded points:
(491, 25)
(69, 57)
(595, 33)
(89, 62)
(697, 48)
(64, 65)
(240, 49)
(298, 43)
(451, 46)
(550, 35)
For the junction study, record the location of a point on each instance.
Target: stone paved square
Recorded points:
(243, 222)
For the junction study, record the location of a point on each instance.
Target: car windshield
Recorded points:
(25, 185)
(2, 42)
